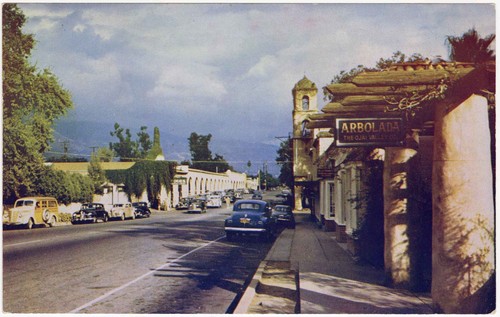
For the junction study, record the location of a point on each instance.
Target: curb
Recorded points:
(245, 301)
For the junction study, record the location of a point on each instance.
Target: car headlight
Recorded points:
(260, 222)
(229, 221)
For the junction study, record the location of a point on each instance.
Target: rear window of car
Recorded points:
(247, 206)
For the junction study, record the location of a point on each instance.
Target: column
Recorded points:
(397, 259)
(463, 211)
(298, 198)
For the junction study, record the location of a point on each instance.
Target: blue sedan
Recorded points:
(251, 217)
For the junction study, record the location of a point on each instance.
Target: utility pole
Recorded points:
(93, 148)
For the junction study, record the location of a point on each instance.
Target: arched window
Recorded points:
(305, 103)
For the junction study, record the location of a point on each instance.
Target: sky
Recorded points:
(226, 69)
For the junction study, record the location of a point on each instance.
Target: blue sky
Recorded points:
(226, 69)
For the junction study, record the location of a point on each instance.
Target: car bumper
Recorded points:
(83, 219)
(237, 229)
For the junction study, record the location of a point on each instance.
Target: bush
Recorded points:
(65, 217)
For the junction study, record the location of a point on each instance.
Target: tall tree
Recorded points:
(125, 148)
(128, 149)
(470, 47)
(201, 156)
(96, 173)
(285, 160)
(32, 101)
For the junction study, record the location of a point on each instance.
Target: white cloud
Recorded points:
(192, 80)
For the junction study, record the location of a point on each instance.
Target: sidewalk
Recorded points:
(307, 271)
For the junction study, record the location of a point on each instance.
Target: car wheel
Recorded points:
(105, 218)
(122, 217)
(52, 221)
(133, 215)
(30, 224)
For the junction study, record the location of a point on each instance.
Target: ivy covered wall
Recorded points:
(147, 176)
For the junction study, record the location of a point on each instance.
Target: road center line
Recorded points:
(140, 277)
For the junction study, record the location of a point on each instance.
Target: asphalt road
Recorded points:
(173, 262)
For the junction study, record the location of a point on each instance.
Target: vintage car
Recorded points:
(31, 211)
(198, 205)
(257, 195)
(184, 203)
(284, 216)
(141, 209)
(250, 217)
(90, 212)
(122, 211)
(214, 201)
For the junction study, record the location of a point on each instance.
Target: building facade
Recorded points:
(395, 168)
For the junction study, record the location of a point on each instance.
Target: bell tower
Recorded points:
(305, 103)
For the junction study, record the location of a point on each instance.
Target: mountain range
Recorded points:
(81, 137)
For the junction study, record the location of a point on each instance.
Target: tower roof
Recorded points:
(304, 83)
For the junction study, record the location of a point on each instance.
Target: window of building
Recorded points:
(305, 103)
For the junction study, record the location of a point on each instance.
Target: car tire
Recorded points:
(30, 224)
(105, 218)
(52, 221)
(122, 217)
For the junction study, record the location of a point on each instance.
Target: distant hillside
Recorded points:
(81, 136)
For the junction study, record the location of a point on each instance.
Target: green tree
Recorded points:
(104, 154)
(128, 149)
(144, 143)
(125, 148)
(201, 156)
(96, 173)
(285, 160)
(470, 47)
(32, 101)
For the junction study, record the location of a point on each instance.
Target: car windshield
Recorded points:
(20, 203)
(247, 206)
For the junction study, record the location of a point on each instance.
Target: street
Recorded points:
(172, 262)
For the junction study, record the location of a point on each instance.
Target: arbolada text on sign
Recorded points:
(380, 132)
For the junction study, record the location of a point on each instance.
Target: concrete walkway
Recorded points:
(307, 271)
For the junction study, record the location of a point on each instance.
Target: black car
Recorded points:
(141, 209)
(250, 217)
(90, 212)
(284, 216)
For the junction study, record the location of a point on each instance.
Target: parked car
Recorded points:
(141, 209)
(214, 201)
(184, 203)
(250, 217)
(31, 211)
(198, 205)
(90, 212)
(257, 195)
(122, 211)
(284, 216)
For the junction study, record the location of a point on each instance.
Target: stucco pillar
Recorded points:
(298, 198)
(463, 211)
(397, 259)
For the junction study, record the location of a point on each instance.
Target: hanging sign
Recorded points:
(379, 132)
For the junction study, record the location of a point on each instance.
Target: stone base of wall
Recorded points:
(340, 235)
(330, 225)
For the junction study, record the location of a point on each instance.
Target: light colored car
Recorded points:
(214, 201)
(31, 211)
(198, 205)
(122, 211)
